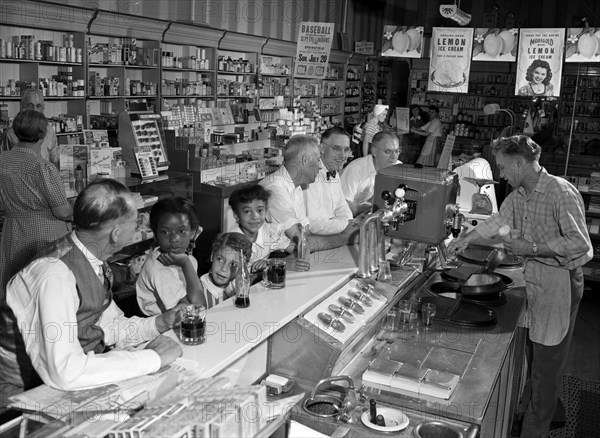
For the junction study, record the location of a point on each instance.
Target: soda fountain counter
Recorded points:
(459, 377)
(237, 338)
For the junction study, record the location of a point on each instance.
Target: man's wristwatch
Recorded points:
(534, 249)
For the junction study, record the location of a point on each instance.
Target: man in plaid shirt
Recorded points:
(555, 243)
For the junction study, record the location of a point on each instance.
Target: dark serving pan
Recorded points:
(447, 274)
(482, 284)
(478, 254)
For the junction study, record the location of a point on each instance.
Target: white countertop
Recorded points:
(231, 332)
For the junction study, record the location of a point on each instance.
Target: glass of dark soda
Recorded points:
(193, 325)
(274, 275)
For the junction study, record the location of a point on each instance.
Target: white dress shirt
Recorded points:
(159, 282)
(326, 206)
(286, 204)
(44, 299)
(270, 237)
(358, 180)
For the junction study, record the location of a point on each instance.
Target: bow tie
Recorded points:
(331, 174)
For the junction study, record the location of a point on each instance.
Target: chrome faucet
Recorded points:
(374, 228)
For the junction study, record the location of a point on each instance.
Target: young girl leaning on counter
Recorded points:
(169, 275)
(225, 261)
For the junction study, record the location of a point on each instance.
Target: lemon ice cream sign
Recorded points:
(450, 62)
(539, 66)
(312, 52)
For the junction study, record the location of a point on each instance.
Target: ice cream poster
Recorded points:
(539, 66)
(402, 41)
(450, 62)
(583, 45)
(312, 51)
(494, 44)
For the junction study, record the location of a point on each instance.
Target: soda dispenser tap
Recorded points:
(457, 222)
(375, 227)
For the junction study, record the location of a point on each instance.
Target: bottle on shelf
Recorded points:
(79, 184)
(242, 283)
(303, 245)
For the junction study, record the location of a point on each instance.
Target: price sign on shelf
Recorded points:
(364, 47)
(312, 52)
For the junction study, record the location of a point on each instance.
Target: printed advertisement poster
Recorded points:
(494, 44)
(450, 62)
(539, 68)
(402, 41)
(583, 45)
(402, 119)
(314, 45)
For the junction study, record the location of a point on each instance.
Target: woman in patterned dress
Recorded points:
(33, 197)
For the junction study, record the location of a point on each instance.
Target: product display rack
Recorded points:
(579, 109)
(134, 78)
(50, 56)
(274, 85)
(279, 77)
(353, 107)
(369, 86)
(384, 81)
(237, 63)
(182, 40)
(334, 87)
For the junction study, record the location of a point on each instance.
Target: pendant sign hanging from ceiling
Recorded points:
(583, 45)
(312, 52)
(450, 62)
(402, 41)
(539, 67)
(494, 44)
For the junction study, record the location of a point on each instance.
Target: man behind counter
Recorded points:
(301, 165)
(358, 179)
(63, 305)
(550, 214)
(326, 205)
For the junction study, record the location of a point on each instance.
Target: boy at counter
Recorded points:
(225, 261)
(169, 275)
(249, 206)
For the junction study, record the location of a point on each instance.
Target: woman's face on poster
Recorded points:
(539, 74)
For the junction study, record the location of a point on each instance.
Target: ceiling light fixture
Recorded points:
(453, 12)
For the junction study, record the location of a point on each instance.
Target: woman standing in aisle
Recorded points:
(33, 197)
(374, 125)
(415, 142)
(433, 131)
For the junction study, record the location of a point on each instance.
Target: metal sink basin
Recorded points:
(441, 429)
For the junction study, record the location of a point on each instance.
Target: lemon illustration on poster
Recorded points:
(495, 44)
(582, 45)
(402, 41)
(450, 62)
(539, 65)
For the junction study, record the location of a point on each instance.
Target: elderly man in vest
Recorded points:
(61, 326)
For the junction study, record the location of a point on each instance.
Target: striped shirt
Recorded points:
(553, 213)
(371, 128)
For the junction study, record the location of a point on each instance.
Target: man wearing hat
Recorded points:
(373, 126)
